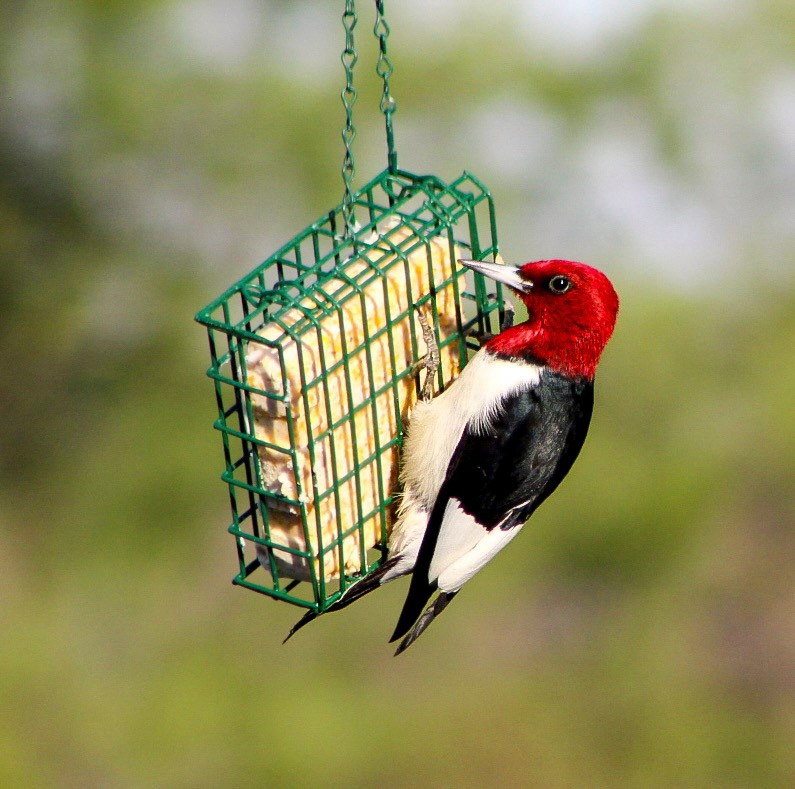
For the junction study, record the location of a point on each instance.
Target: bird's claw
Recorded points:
(429, 362)
(509, 313)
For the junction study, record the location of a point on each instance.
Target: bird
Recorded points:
(484, 454)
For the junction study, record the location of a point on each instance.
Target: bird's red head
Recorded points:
(572, 311)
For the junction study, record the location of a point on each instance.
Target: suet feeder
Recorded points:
(313, 358)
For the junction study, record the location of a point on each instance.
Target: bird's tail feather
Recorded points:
(431, 612)
(308, 617)
(368, 584)
(420, 592)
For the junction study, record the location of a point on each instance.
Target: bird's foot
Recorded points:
(508, 317)
(429, 362)
(509, 314)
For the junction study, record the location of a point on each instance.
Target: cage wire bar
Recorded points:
(289, 299)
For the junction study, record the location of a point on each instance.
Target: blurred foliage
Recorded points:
(640, 633)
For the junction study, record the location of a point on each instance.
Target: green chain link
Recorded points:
(384, 70)
(349, 93)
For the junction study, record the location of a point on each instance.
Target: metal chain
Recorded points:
(349, 94)
(384, 70)
(388, 105)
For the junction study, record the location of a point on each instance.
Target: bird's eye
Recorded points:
(560, 284)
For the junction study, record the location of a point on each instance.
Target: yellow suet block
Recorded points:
(339, 423)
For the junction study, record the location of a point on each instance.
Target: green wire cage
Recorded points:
(302, 289)
(314, 361)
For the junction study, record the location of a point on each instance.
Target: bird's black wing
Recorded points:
(525, 453)
(495, 480)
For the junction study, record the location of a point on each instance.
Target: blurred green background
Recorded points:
(640, 633)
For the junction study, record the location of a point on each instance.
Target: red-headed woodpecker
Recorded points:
(484, 454)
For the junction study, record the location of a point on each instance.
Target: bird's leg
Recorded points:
(507, 322)
(429, 362)
(508, 317)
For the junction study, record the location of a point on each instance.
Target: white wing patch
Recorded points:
(458, 534)
(464, 546)
(453, 577)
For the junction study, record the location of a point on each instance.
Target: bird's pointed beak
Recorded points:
(508, 275)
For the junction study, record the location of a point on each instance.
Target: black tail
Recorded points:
(431, 612)
(420, 592)
(368, 584)
(308, 617)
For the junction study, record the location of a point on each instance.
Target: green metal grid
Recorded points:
(306, 270)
